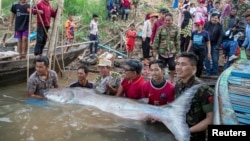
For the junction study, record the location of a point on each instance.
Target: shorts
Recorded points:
(168, 61)
(130, 47)
(21, 34)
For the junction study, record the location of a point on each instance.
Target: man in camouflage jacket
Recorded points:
(167, 44)
(200, 114)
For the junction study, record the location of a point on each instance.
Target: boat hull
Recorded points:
(232, 94)
(16, 71)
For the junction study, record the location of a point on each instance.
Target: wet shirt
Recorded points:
(77, 84)
(202, 102)
(21, 16)
(167, 40)
(113, 79)
(133, 89)
(158, 96)
(39, 86)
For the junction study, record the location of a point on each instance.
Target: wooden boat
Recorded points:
(10, 42)
(16, 70)
(232, 94)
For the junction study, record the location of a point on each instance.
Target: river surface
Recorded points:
(24, 119)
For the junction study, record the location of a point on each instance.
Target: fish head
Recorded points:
(62, 95)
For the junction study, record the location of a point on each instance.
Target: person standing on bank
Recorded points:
(93, 34)
(44, 12)
(167, 44)
(146, 34)
(20, 13)
(215, 31)
(200, 45)
(42, 79)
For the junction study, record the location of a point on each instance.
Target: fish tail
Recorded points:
(175, 114)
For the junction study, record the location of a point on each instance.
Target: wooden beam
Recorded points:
(51, 48)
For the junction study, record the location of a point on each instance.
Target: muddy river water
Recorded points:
(23, 119)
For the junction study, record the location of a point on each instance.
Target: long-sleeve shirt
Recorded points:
(216, 33)
(156, 25)
(147, 29)
(48, 12)
(93, 27)
(167, 41)
(246, 42)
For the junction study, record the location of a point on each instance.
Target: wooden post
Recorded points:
(0, 7)
(52, 45)
(28, 49)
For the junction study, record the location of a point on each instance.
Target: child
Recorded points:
(130, 44)
(20, 14)
(70, 28)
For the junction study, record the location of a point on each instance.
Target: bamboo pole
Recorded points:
(52, 46)
(0, 7)
(28, 49)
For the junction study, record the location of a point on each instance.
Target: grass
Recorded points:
(6, 5)
(80, 8)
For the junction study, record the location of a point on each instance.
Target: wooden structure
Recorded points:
(232, 94)
(15, 71)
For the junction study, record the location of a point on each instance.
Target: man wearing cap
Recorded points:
(158, 23)
(107, 82)
(200, 45)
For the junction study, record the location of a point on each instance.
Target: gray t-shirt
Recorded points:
(39, 86)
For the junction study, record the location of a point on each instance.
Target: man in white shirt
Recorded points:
(93, 34)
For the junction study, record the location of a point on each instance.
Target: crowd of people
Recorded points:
(186, 49)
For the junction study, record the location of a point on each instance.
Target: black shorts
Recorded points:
(168, 61)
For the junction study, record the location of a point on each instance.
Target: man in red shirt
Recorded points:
(158, 90)
(131, 85)
(44, 12)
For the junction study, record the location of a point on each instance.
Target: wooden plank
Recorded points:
(239, 90)
(239, 81)
(244, 121)
(240, 103)
(246, 116)
(241, 98)
(240, 108)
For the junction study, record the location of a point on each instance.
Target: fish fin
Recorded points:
(175, 114)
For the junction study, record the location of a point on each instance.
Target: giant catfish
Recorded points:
(172, 115)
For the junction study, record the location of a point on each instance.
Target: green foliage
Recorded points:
(6, 5)
(85, 9)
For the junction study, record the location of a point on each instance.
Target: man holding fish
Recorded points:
(200, 114)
